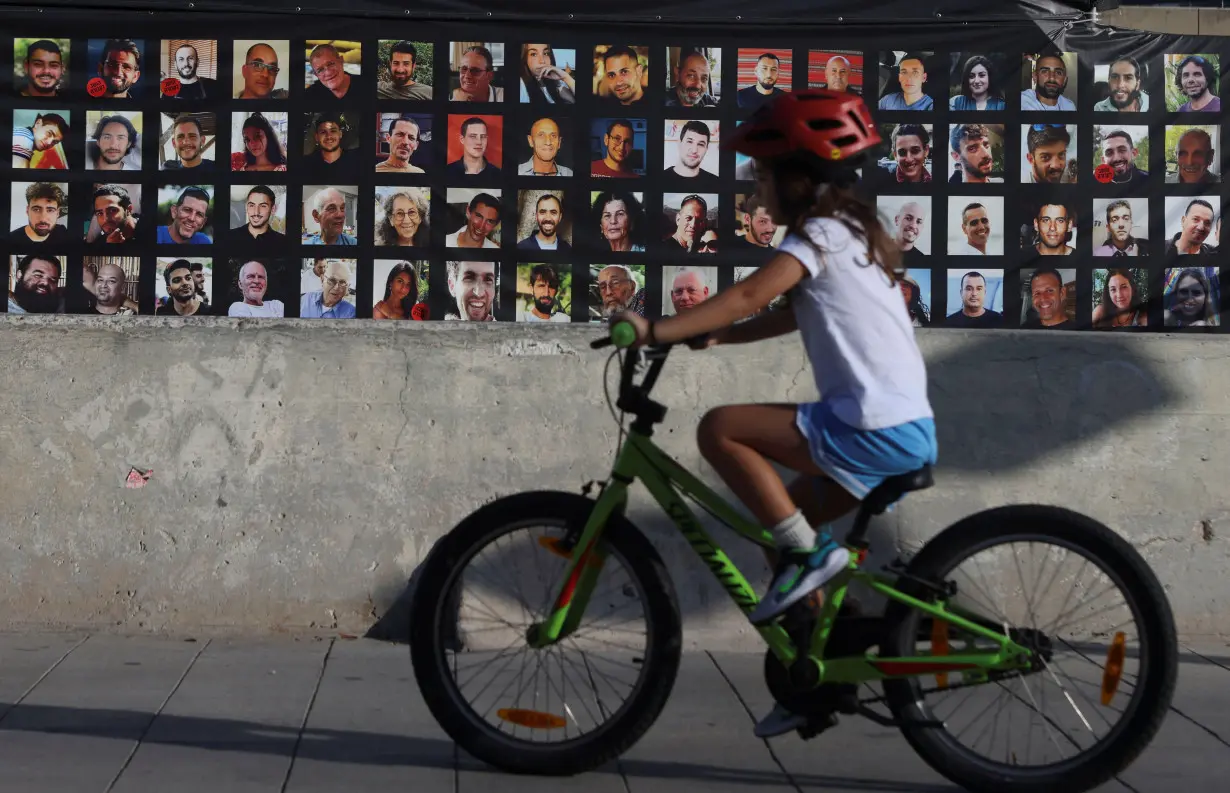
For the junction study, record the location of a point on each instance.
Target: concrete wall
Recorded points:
(301, 469)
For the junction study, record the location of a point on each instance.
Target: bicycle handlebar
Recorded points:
(622, 335)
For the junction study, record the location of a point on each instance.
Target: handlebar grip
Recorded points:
(622, 335)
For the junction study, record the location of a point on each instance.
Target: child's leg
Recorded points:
(739, 441)
(822, 501)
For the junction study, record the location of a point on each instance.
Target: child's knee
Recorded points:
(709, 432)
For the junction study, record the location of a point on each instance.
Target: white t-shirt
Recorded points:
(857, 331)
(270, 308)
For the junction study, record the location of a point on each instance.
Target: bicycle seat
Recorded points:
(893, 488)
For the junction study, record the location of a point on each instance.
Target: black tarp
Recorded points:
(802, 34)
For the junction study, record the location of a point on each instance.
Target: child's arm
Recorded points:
(725, 308)
(766, 326)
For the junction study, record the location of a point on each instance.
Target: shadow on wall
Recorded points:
(1004, 401)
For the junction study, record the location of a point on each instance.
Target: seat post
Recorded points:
(857, 537)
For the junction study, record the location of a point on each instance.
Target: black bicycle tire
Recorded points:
(1127, 740)
(658, 673)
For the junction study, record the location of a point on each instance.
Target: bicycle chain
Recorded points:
(991, 678)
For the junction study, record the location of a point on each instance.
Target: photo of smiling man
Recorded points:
(257, 215)
(909, 158)
(545, 139)
(473, 291)
(185, 211)
(1048, 299)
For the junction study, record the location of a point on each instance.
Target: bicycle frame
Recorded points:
(668, 482)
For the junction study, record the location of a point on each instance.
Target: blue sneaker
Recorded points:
(800, 571)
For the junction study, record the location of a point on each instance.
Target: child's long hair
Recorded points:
(799, 178)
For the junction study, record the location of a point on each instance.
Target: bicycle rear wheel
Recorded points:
(1136, 637)
(557, 710)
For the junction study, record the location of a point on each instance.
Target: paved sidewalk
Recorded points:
(107, 713)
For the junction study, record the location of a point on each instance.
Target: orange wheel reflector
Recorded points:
(1114, 669)
(532, 719)
(939, 646)
(555, 546)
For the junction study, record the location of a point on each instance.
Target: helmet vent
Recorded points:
(857, 122)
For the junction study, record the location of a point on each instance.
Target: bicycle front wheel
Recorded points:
(562, 709)
(1091, 611)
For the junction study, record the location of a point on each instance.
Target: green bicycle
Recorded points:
(977, 642)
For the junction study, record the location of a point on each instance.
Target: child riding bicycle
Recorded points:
(841, 269)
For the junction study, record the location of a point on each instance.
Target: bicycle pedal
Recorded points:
(817, 725)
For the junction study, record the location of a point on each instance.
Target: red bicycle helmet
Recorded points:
(834, 126)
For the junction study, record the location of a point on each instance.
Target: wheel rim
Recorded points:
(1068, 689)
(579, 680)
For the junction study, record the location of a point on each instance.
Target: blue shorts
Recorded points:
(859, 460)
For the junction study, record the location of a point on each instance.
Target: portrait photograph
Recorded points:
(473, 217)
(331, 141)
(1192, 81)
(618, 219)
(1191, 154)
(975, 153)
(975, 225)
(621, 76)
(1049, 154)
(836, 70)
(685, 287)
(188, 69)
(39, 139)
(1191, 224)
(908, 219)
(690, 147)
(689, 222)
(37, 283)
(762, 74)
(400, 289)
(334, 67)
(1120, 298)
(185, 214)
(755, 229)
(403, 216)
(41, 66)
(975, 298)
(115, 213)
(187, 140)
(542, 222)
(38, 213)
(327, 288)
(258, 140)
(1121, 85)
(475, 71)
(1120, 226)
(121, 66)
(255, 210)
(404, 69)
(473, 291)
(915, 288)
(547, 150)
(403, 143)
(184, 286)
(617, 147)
(113, 140)
(1048, 224)
(1125, 148)
(1191, 297)
(547, 75)
(111, 286)
(544, 292)
(615, 287)
(905, 80)
(693, 76)
(1048, 81)
(475, 145)
(909, 157)
(259, 286)
(1048, 298)
(330, 214)
(977, 81)
(261, 69)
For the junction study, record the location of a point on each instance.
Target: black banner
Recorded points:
(545, 164)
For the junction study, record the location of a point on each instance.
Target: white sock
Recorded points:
(793, 532)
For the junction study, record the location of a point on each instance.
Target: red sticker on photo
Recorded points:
(170, 86)
(96, 87)
(1103, 173)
